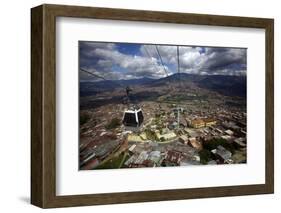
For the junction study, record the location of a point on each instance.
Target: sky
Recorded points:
(116, 61)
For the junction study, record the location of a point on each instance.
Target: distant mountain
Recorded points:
(140, 81)
(93, 87)
(223, 84)
(226, 85)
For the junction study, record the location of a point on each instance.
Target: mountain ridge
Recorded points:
(224, 84)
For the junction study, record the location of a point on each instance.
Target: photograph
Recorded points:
(155, 105)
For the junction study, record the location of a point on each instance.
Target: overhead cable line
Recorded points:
(178, 57)
(161, 60)
(100, 77)
(148, 54)
(93, 74)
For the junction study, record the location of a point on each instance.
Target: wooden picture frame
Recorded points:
(43, 105)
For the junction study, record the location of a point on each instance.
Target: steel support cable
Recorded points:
(161, 60)
(101, 77)
(148, 54)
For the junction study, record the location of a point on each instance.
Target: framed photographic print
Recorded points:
(137, 106)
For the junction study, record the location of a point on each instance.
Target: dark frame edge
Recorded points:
(156, 16)
(43, 107)
(37, 190)
(269, 118)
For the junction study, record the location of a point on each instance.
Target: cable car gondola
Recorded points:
(133, 117)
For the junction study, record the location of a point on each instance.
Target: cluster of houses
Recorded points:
(187, 132)
(204, 122)
(92, 156)
(179, 155)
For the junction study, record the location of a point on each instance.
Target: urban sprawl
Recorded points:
(188, 133)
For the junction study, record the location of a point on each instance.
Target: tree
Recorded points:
(84, 118)
(205, 156)
(215, 142)
(114, 123)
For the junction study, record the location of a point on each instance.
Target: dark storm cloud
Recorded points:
(232, 59)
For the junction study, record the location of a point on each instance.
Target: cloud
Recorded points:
(233, 59)
(109, 61)
(200, 60)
